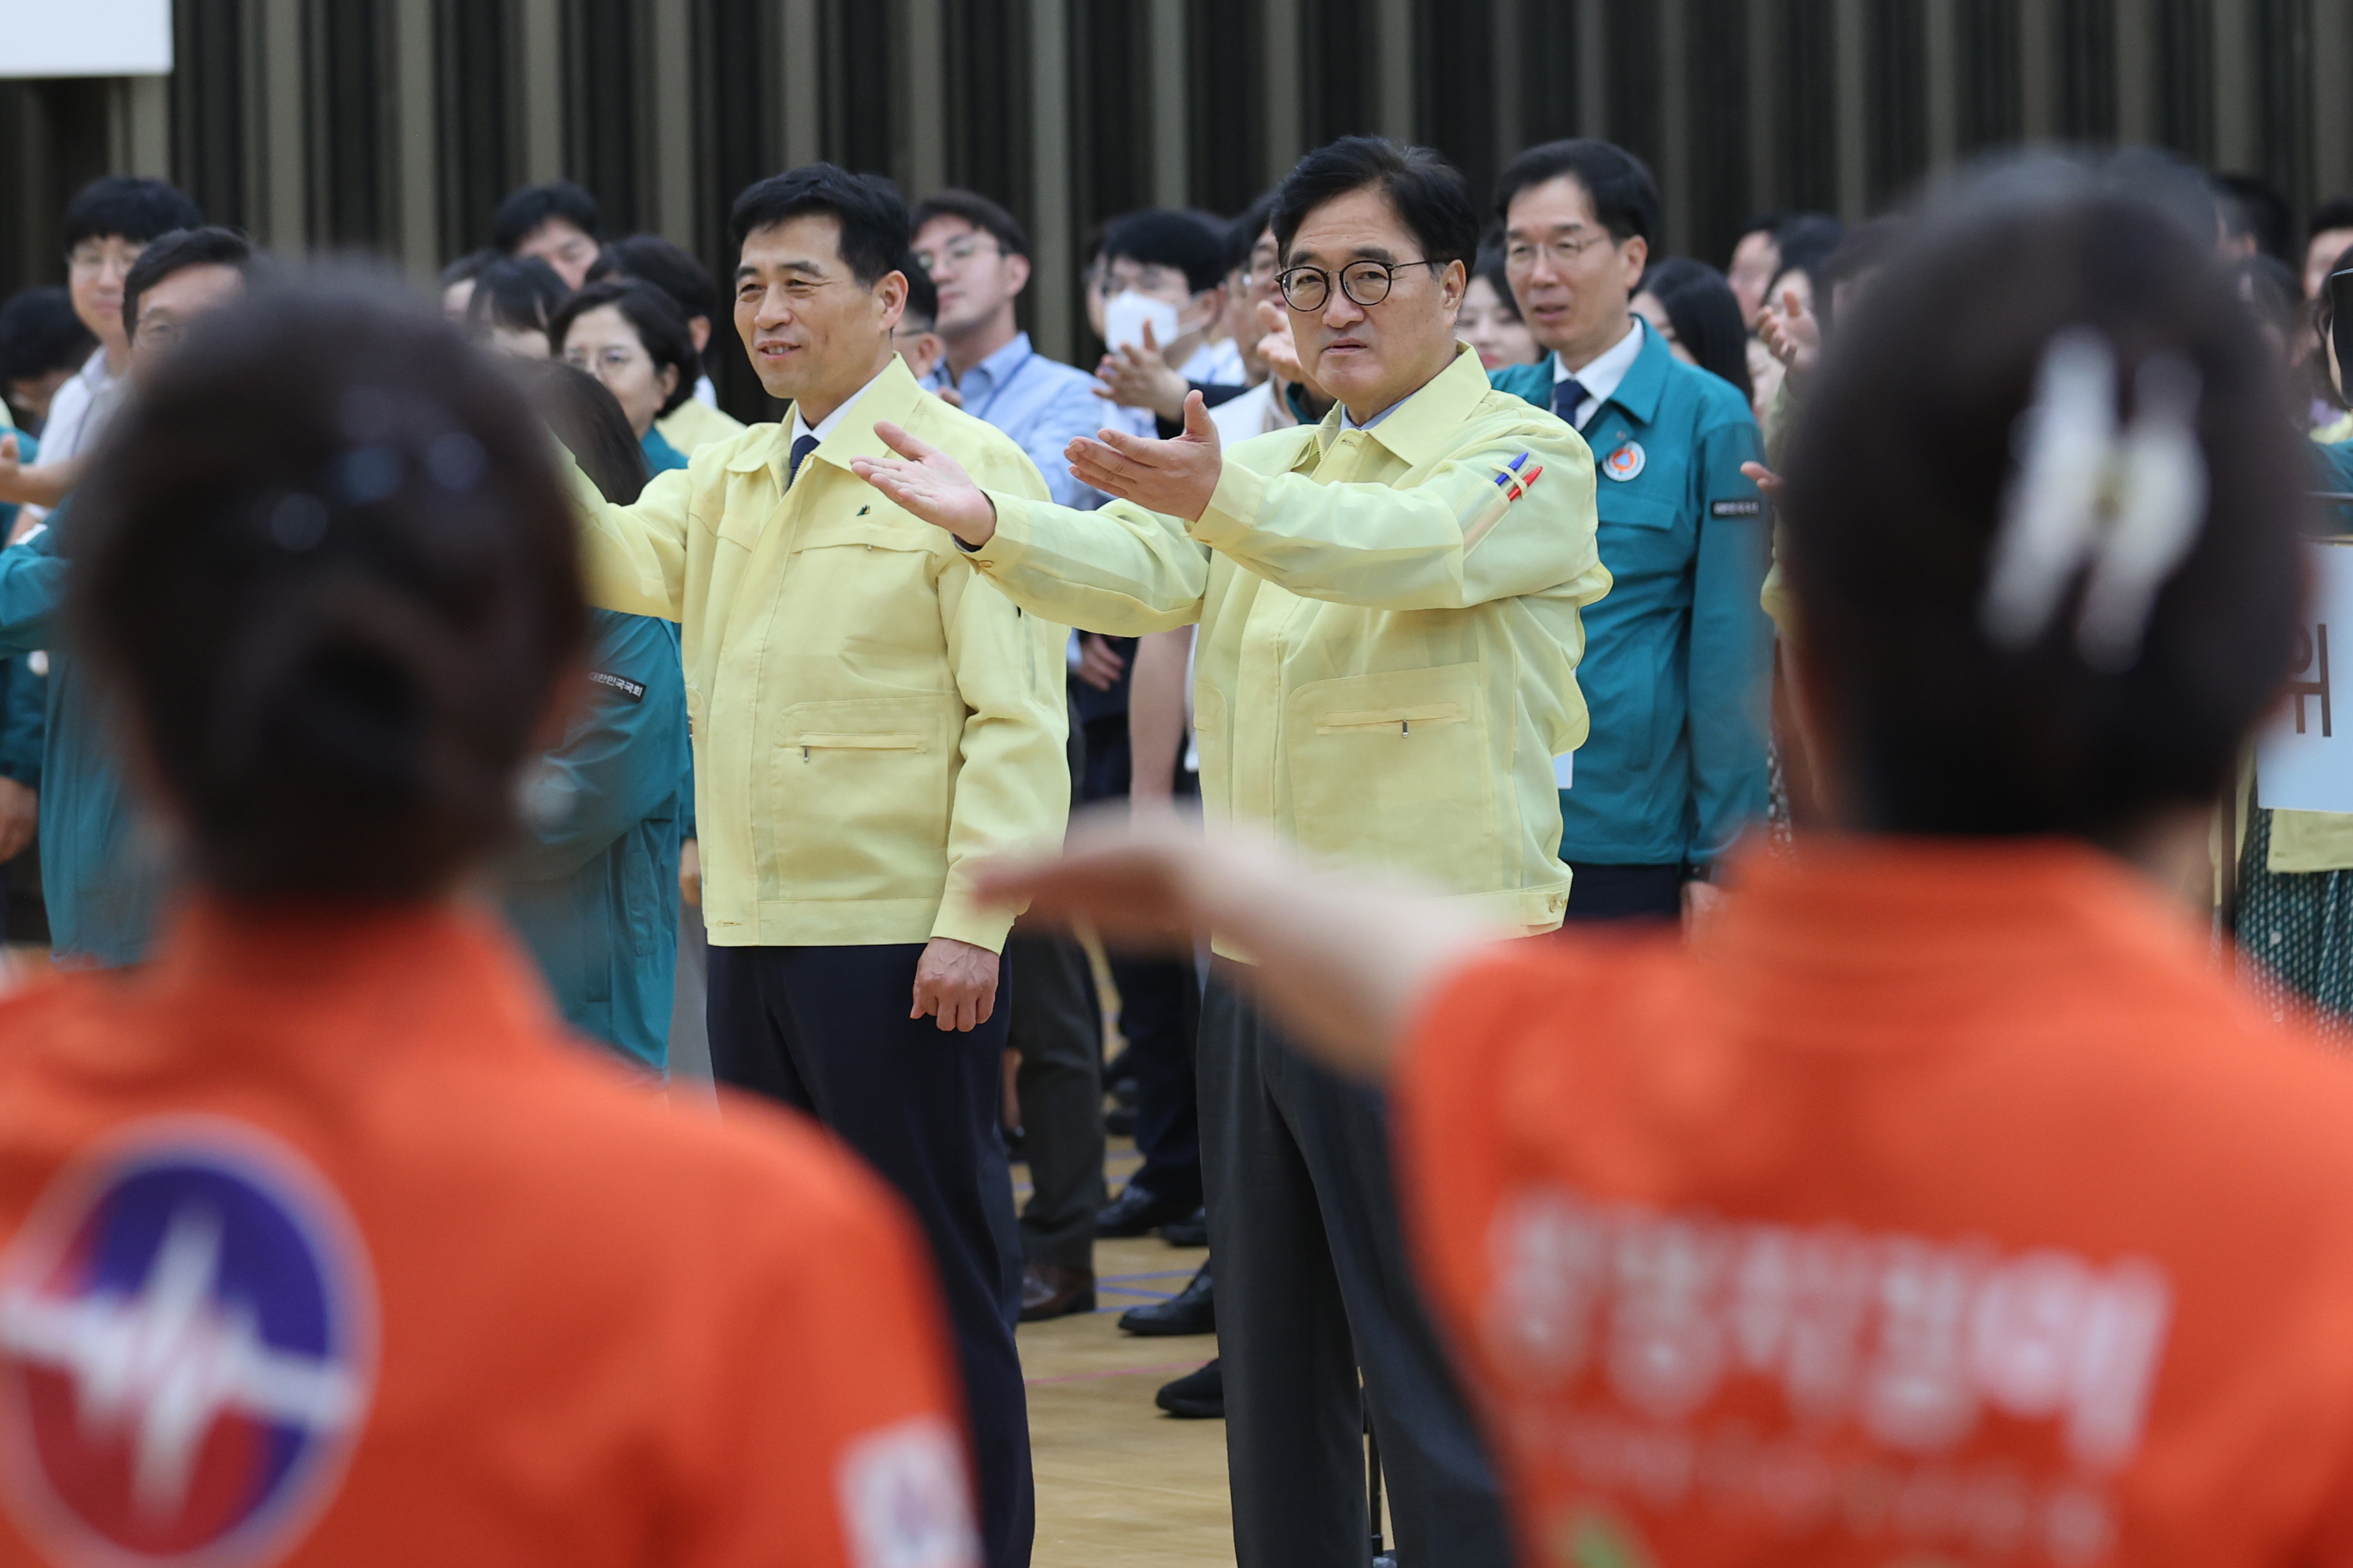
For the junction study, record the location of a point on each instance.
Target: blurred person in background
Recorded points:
(1245, 288)
(104, 869)
(917, 336)
(495, 1306)
(1694, 311)
(42, 346)
(1170, 266)
(629, 336)
(2330, 236)
(1678, 655)
(557, 222)
(458, 282)
(1950, 1168)
(592, 884)
(1756, 258)
(513, 302)
(1489, 321)
(105, 226)
(674, 270)
(2257, 218)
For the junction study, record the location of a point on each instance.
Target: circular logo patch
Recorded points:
(1625, 462)
(187, 1345)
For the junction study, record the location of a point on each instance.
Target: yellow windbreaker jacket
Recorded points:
(869, 722)
(1387, 663)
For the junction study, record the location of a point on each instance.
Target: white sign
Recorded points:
(85, 37)
(2304, 761)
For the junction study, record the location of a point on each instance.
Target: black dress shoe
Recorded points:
(1192, 1310)
(1193, 1230)
(1135, 1211)
(1195, 1397)
(1050, 1292)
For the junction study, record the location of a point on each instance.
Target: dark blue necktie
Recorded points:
(1568, 396)
(801, 448)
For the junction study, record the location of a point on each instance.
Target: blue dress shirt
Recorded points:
(1042, 404)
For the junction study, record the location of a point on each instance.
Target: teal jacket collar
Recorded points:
(1644, 382)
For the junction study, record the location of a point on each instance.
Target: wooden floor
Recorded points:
(1118, 1482)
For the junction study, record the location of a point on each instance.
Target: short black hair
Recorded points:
(2337, 212)
(469, 266)
(923, 295)
(1863, 250)
(1625, 198)
(654, 315)
(1704, 312)
(668, 267)
(868, 207)
(523, 214)
(177, 252)
(519, 293)
(41, 334)
(2255, 208)
(977, 210)
(1426, 191)
(1768, 222)
(1241, 235)
(587, 418)
(1163, 237)
(1895, 497)
(329, 572)
(129, 207)
(1806, 244)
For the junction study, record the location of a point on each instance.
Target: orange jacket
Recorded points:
(322, 1238)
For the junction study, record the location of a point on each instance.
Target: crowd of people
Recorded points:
(1659, 838)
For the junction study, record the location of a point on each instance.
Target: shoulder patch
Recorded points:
(618, 685)
(1749, 508)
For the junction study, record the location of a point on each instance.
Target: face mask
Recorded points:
(1126, 315)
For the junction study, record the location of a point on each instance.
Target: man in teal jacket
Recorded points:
(1678, 657)
(593, 892)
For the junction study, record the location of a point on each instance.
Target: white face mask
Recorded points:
(1126, 314)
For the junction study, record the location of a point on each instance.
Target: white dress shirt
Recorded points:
(1601, 375)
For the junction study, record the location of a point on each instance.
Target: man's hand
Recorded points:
(1791, 333)
(1176, 479)
(955, 982)
(1767, 482)
(1702, 902)
(1139, 377)
(690, 873)
(20, 819)
(929, 484)
(1098, 662)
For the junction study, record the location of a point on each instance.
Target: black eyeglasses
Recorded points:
(1364, 282)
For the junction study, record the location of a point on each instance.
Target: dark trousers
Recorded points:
(1312, 1285)
(1056, 1027)
(1160, 1014)
(1624, 892)
(825, 1029)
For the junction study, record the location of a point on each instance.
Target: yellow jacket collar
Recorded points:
(892, 395)
(1429, 424)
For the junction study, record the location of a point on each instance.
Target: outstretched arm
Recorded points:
(1345, 963)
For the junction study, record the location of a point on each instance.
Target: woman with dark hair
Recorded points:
(630, 336)
(1948, 1201)
(1695, 309)
(514, 299)
(409, 1278)
(592, 888)
(1490, 320)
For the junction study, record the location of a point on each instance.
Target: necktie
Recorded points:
(1567, 394)
(801, 448)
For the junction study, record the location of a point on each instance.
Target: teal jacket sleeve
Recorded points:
(32, 591)
(623, 758)
(23, 722)
(1731, 640)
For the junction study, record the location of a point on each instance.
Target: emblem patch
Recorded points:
(1626, 462)
(618, 685)
(187, 1348)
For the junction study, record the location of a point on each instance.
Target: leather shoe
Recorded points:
(1192, 1310)
(1050, 1292)
(1135, 1211)
(1193, 1230)
(1195, 1397)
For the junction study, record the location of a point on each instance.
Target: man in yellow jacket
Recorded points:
(1389, 609)
(870, 721)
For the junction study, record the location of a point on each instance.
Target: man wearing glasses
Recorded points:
(106, 226)
(1389, 606)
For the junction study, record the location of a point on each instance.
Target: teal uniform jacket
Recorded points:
(21, 699)
(102, 868)
(593, 891)
(1678, 657)
(660, 456)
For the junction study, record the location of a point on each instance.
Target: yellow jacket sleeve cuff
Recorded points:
(962, 921)
(1010, 543)
(1234, 506)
